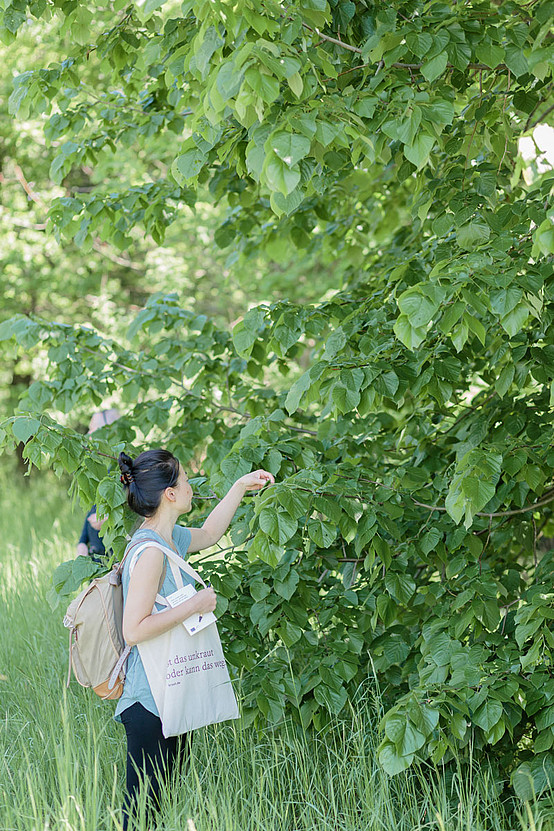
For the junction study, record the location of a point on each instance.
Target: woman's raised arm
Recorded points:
(220, 518)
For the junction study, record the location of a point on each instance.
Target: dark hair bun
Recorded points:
(125, 463)
(146, 478)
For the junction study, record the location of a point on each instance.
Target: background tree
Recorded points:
(407, 415)
(104, 287)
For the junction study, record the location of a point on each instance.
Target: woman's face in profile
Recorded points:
(183, 490)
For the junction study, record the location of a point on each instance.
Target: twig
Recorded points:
(532, 507)
(534, 543)
(114, 258)
(332, 40)
(533, 111)
(470, 410)
(505, 610)
(485, 545)
(507, 90)
(97, 245)
(26, 186)
(301, 430)
(540, 118)
(30, 227)
(503, 154)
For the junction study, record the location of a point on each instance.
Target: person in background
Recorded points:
(90, 542)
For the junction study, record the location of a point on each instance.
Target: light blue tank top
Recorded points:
(137, 688)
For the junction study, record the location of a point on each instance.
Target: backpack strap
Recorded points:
(118, 667)
(118, 568)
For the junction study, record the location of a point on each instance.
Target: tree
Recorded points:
(103, 287)
(408, 415)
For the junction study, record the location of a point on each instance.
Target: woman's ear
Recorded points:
(170, 494)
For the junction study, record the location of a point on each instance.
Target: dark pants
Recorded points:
(150, 756)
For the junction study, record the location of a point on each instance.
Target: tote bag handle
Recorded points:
(174, 560)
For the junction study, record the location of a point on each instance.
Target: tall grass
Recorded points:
(62, 755)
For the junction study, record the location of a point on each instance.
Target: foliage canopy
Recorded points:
(408, 415)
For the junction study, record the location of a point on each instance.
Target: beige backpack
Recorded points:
(97, 650)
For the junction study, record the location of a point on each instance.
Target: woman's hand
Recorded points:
(256, 480)
(219, 519)
(206, 600)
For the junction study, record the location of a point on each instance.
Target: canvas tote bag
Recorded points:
(187, 674)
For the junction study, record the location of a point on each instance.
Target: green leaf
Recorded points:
(296, 84)
(400, 586)
(203, 54)
(504, 300)
(425, 718)
(228, 81)
(279, 525)
(187, 166)
(321, 532)
(264, 549)
(258, 589)
(391, 760)
(490, 53)
(523, 783)
(326, 132)
(408, 334)
(332, 700)
(266, 86)
(418, 153)
(531, 779)
(477, 491)
(513, 322)
(451, 315)
(473, 484)
(111, 492)
(334, 344)
(295, 501)
(516, 61)
(504, 381)
(279, 176)
(151, 6)
(247, 330)
(459, 335)
(475, 326)
(13, 18)
(345, 397)
(435, 67)
(440, 111)
(289, 147)
(430, 540)
(473, 235)
(488, 714)
(420, 304)
(404, 130)
(286, 588)
(420, 43)
(289, 633)
(296, 392)
(24, 427)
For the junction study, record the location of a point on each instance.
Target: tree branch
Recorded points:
(359, 51)
(333, 40)
(532, 507)
(541, 117)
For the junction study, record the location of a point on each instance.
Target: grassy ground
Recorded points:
(62, 755)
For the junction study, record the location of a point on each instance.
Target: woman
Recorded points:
(158, 489)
